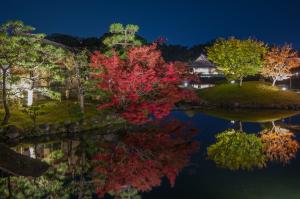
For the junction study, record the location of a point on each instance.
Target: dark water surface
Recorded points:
(205, 180)
(72, 172)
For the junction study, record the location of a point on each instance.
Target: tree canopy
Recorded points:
(123, 37)
(236, 58)
(279, 61)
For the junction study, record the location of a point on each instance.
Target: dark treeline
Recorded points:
(170, 52)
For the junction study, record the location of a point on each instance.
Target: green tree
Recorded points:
(237, 150)
(15, 45)
(25, 60)
(42, 64)
(77, 64)
(122, 37)
(236, 58)
(76, 70)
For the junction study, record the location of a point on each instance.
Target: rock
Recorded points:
(236, 104)
(12, 132)
(54, 127)
(44, 127)
(110, 137)
(277, 106)
(95, 120)
(35, 130)
(67, 122)
(61, 130)
(73, 127)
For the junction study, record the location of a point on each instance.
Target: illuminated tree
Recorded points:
(77, 66)
(279, 145)
(121, 37)
(42, 66)
(15, 46)
(278, 63)
(26, 61)
(141, 159)
(140, 85)
(237, 59)
(237, 150)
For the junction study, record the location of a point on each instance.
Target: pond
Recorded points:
(193, 154)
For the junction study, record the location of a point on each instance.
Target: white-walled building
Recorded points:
(203, 67)
(206, 70)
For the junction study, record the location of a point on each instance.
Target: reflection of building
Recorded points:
(42, 151)
(207, 72)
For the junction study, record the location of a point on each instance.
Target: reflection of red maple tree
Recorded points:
(279, 145)
(143, 159)
(142, 84)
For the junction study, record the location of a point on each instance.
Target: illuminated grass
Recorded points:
(250, 93)
(53, 112)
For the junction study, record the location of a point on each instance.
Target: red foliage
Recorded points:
(140, 85)
(143, 159)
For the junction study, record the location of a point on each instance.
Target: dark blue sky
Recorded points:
(184, 22)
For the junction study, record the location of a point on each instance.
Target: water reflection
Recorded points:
(280, 144)
(246, 115)
(121, 166)
(142, 159)
(235, 149)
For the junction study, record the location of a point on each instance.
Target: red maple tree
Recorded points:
(140, 85)
(142, 159)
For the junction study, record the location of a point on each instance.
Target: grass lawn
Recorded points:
(253, 92)
(53, 112)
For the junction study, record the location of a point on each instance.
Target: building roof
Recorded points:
(202, 62)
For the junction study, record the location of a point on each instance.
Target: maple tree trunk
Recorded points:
(4, 98)
(274, 82)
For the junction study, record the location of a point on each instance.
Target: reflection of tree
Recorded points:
(237, 150)
(141, 160)
(49, 185)
(279, 144)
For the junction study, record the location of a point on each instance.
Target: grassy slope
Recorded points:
(250, 93)
(54, 112)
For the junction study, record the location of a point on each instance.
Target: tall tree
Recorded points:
(78, 65)
(236, 58)
(121, 37)
(42, 64)
(278, 63)
(15, 44)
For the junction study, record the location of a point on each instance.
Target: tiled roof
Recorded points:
(202, 62)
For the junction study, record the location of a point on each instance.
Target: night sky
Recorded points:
(185, 22)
